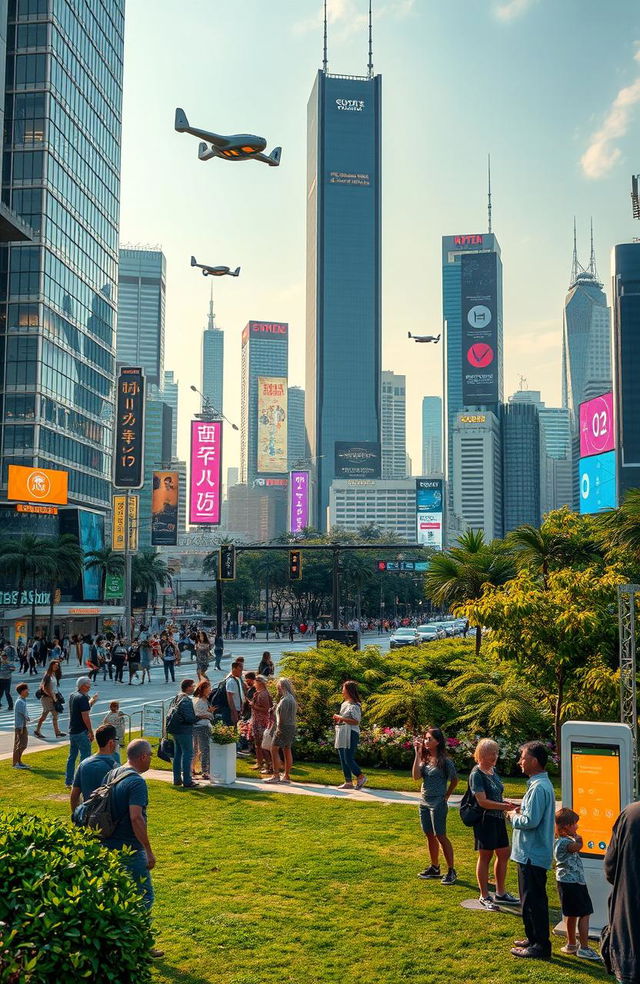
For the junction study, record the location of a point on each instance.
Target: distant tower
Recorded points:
(141, 312)
(213, 361)
(297, 441)
(170, 396)
(394, 425)
(431, 435)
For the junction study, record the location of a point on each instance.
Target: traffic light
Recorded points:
(295, 565)
(227, 562)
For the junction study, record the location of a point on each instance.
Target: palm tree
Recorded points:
(107, 560)
(621, 527)
(28, 558)
(413, 704)
(550, 546)
(460, 575)
(66, 566)
(148, 573)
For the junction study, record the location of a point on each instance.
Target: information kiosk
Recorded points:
(597, 784)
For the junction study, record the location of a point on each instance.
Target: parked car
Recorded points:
(404, 637)
(428, 633)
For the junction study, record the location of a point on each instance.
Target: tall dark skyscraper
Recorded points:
(297, 437)
(61, 173)
(626, 352)
(520, 465)
(343, 336)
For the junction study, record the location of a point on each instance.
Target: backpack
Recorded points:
(217, 699)
(96, 813)
(174, 714)
(470, 812)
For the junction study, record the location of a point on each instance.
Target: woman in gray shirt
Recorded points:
(285, 730)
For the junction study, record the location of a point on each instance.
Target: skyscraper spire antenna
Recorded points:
(489, 186)
(592, 259)
(575, 266)
(211, 325)
(370, 65)
(324, 50)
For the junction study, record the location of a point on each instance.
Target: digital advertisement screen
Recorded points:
(429, 506)
(595, 794)
(205, 480)
(597, 433)
(272, 424)
(480, 369)
(598, 483)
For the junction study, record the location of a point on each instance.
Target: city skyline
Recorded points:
(420, 191)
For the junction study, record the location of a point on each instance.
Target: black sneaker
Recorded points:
(534, 952)
(450, 878)
(431, 872)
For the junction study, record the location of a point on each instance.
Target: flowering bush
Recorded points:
(223, 734)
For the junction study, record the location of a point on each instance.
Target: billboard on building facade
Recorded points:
(480, 355)
(298, 501)
(119, 507)
(430, 512)
(37, 485)
(128, 458)
(164, 508)
(598, 483)
(205, 478)
(597, 433)
(272, 425)
(357, 459)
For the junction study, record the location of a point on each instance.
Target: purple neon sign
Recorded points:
(299, 501)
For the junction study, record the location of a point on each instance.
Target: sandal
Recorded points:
(273, 779)
(205, 775)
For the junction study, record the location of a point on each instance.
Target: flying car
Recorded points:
(215, 271)
(424, 338)
(236, 147)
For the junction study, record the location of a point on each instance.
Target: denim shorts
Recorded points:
(433, 819)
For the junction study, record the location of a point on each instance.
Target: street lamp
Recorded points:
(209, 412)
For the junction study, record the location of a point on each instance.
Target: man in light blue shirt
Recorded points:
(532, 849)
(21, 720)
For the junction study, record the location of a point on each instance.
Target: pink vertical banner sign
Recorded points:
(299, 501)
(206, 472)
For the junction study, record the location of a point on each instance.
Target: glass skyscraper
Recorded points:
(394, 425)
(61, 174)
(170, 397)
(296, 437)
(431, 435)
(343, 335)
(265, 352)
(586, 343)
(520, 465)
(625, 262)
(213, 362)
(141, 312)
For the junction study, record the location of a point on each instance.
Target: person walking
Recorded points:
(170, 656)
(202, 729)
(491, 838)
(130, 799)
(180, 727)
(218, 651)
(291, 632)
(80, 727)
(7, 667)
(104, 658)
(285, 731)
(620, 937)
(261, 704)
(51, 699)
(20, 722)
(145, 653)
(92, 770)
(347, 724)
(439, 779)
(119, 654)
(203, 655)
(266, 667)
(533, 825)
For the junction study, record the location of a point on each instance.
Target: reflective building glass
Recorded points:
(141, 312)
(626, 349)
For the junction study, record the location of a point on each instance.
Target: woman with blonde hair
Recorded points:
(285, 731)
(490, 831)
(201, 729)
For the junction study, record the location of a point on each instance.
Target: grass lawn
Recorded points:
(254, 888)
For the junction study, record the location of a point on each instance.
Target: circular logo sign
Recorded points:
(38, 485)
(480, 355)
(479, 316)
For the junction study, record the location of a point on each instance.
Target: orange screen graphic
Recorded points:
(595, 793)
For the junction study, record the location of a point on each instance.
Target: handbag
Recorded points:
(267, 738)
(166, 749)
(58, 703)
(343, 736)
(470, 812)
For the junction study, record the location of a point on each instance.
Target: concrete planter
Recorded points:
(223, 764)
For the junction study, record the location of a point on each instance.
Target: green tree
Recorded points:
(564, 539)
(108, 562)
(148, 573)
(414, 704)
(66, 564)
(29, 559)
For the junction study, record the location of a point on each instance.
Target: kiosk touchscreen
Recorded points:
(597, 785)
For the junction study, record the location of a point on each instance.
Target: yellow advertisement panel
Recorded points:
(37, 485)
(119, 511)
(272, 425)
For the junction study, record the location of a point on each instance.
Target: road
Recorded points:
(132, 697)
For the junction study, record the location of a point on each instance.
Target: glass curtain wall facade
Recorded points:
(61, 174)
(170, 397)
(394, 426)
(297, 438)
(141, 312)
(343, 335)
(520, 465)
(213, 362)
(626, 347)
(431, 435)
(265, 352)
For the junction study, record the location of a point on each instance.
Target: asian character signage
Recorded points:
(164, 508)
(129, 436)
(480, 355)
(119, 505)
(272, 424)
(206, 472)
(299, 501)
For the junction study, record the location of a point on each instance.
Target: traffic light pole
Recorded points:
(335, 615)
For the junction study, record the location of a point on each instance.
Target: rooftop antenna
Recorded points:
(211, 318)
(489, 178)
(370, 65)
(575, 266)
(592, 261)
(324, 52)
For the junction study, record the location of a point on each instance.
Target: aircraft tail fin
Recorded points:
(194, 262)
(438, 338)
(181, 122)
(274, 156)
(409, 335)
(236, 272)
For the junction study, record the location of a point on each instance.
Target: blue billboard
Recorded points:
(598, 483)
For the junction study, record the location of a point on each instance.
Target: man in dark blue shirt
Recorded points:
(91, 771)
(80, 729)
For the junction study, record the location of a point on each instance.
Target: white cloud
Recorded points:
(510, 9)
(602, 153)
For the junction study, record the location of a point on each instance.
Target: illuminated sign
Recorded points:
(205, 472)
(299, 501)
(595, 793)
(119, 506)
(467, 240)
(597, 433)
(480, 369)
(473, 418)
(38, 485)
(129, 437)
(350, 105)
(359, 482)
(8, 598)
(261, 328)
(357, 460)
(598, 483)
(430, 512)
(164, 508)
(272, 424)
(25, 507)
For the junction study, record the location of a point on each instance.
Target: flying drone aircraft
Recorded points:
(424, 338)
(215, 271)
(236, 147)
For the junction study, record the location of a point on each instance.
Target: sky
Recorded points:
(550, 88)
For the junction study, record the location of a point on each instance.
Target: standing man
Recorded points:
(80, 728)
(21, 720)
(7, 666)
(130, 799)
(181, 728)
(235, 693)
(532, 850)
(91, 771)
